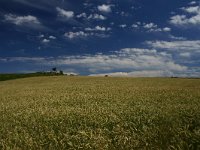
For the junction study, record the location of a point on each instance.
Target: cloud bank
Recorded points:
(126, 62)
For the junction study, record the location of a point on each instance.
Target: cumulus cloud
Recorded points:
(27, 21)
(45, 41)
(167, 29)
(65, 14)
(177, 38)
(104, 8)
(129, 59)
(123, 26)
(178, 20)
(89, 33)
(151, 73)
(82, 15)
(184, 51)
(193, 3)
(192, 9)
(25, 59)
(72, 35)
(124, 14)
(41, 36)
(22, 20)
(150, 27)
(186, 54)
(135, 26)
(184, 45)
(183, 20)
(125, 62)
(98, 28)
(52, 37)
(97, 17)
(143, 73)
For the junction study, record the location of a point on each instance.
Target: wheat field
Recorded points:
(98, 113)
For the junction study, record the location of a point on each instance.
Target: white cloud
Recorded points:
(193, 9)
(72, 35)
(114, 74)
(143, 73)
(98, 28)
(193, 3)
(97, 17)
(150, 26)
(86, 4)
(182, 20)
(4, 60)
(112, 23)
(178, 20)
(183, 46)
(150, 73)
(183, 51)
(155, 30)
(65, 14)
(135, 26)
(45, 41)
(130, 59)
(125, 62)
(187, 20)
(177, 38)
(124, 14)
(70, 73)
(105, 8)
(82, 34)
(28, 22)
(52, 37)
(21, 20)
(82, 15)
(41, 36)
(123, 26)
(167, 29)
(186, 54)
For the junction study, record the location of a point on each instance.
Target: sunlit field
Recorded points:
(100, 113)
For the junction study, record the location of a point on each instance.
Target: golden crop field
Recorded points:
(99, 113)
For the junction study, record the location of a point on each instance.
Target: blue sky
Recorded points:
(97, 37)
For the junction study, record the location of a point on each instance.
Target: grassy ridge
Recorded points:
(100, 113)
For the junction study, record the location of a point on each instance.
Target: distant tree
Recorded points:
(106, 75)
(54, 69)
(61, 72)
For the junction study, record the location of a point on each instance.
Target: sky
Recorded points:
(139, 38)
